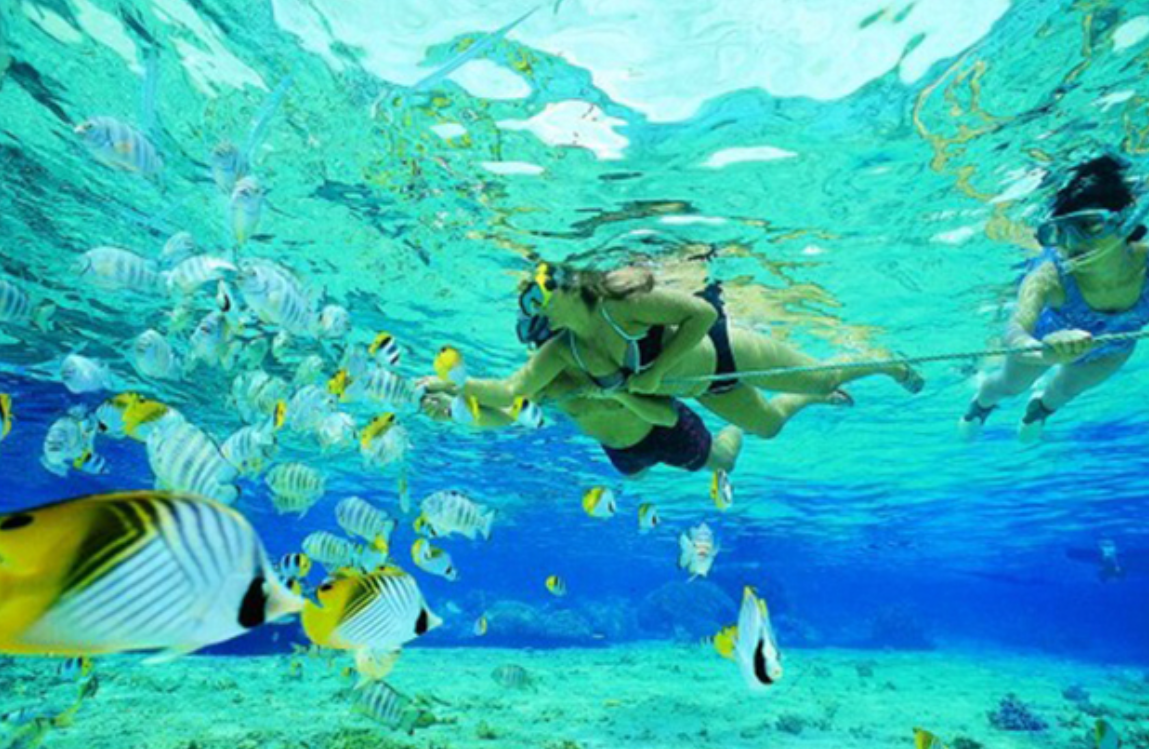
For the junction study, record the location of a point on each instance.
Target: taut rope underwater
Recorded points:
(925, 359)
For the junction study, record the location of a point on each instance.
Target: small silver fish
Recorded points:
(334, 322)
(179, 247)
(697, 550)
(16, 307)
(295, 487)
(196, 271)
(118, 145)
(118, 269)
(185, 459)
(154, 357)
(246, 209)
(255, 395)
(447, 512)
(70, 444)
(81, 374)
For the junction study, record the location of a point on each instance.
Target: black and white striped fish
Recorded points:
(336, 553)
(118, 145)
(116, 268)
(383, 387)
(295, 487)
(132, 571)
(185, 459)
(447, 512)
(16, 307)
(381, 702)
(360, 518)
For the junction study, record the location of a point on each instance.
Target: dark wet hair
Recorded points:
(1097, 183)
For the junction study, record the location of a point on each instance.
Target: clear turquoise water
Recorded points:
(913, 141)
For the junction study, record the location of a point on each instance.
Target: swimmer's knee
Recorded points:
(766, 431)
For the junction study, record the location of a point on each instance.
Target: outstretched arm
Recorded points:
(1039, 288)
(692, 317)
(542, 368)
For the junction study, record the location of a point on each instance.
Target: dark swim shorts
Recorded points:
(685, 445)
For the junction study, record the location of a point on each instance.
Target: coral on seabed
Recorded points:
(1014, 715)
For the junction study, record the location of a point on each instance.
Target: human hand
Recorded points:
(1065, 346)
(434, 385)
(645, 383)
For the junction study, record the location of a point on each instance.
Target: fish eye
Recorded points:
(326, 588)
(14, 522)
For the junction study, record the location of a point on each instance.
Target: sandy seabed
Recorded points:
(653, 696)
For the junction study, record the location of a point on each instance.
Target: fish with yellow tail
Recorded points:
(482, 626)
(383, 442)
(599, 502)
(74, 669)
(722, 491)
(1105, 735)
(433, 560)
(449, 366)
(385, 350)
(466, 410)
(132, 415)
(723, 641)
(381, 386)
(383, 610)
(70, 444)
(923, 739)
(132, 571)
(360, 518)
(556, 586)
(697, 550)
(251, 448)
(526, 414)
(6, 416)
(294, 565)
(648, 518)
(755, 647)
(337, 553)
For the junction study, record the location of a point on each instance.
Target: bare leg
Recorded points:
(747, 408)
(1070, 381)
(1014, 378)
(724, 450)
(754, 351)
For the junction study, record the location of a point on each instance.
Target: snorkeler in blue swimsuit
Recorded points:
(1091, 279)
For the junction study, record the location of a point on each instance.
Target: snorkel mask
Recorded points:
(1075, 229)
(533, 328)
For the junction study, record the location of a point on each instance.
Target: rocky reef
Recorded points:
(686, 610)
(1014, 715)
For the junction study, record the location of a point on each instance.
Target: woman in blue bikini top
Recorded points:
(1091, 279)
